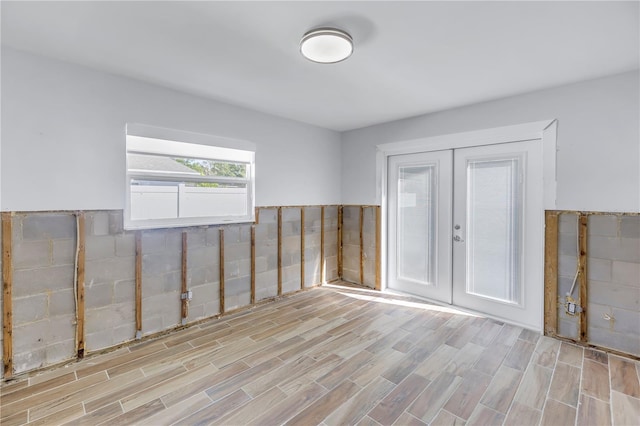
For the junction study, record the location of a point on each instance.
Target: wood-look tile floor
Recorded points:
(336, 356)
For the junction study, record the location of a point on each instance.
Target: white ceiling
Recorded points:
(410, 58)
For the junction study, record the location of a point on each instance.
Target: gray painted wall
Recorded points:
(63, 138)
(598, 140)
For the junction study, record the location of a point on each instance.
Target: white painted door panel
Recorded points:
(420, 224)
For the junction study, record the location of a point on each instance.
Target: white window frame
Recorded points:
(147, 140)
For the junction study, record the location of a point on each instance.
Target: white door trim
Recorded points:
(543, 131)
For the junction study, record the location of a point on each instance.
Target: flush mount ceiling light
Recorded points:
(326, 45)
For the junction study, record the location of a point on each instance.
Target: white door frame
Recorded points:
(543, 131)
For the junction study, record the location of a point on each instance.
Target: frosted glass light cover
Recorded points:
(326, 45)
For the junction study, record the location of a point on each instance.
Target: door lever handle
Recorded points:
(457, 239)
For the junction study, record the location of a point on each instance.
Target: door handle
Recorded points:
(457, 239)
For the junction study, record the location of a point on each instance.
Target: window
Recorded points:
(171, 183)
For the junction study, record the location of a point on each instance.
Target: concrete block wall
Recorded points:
(291, 252)
(351, 244)
(613, 250)
(369, 244)
(567, 267)
(43, 269)
(267, 254)
(161, 279)
(109, 281)
(237, 266)
(331, 242)
(43, 256)
(203, 273)
(312, 240)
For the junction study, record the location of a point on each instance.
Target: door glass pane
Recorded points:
(416, 221)
(493, 229)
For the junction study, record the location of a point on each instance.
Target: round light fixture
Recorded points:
(326, 45)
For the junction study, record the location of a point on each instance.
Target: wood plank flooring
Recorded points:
(334, 356)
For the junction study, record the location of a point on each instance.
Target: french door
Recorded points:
(466, 228)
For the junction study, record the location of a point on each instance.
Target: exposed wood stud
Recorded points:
(138, 284)
(340, 214)
(257, 218)
(80, 281)
(551, 273)
(361, 224)
(378, 284)
(253, 264)
(323, 261)
(582, 275)
(302, 247)
(221, 271)
(279, 251)
(184, 290)
(7, 305)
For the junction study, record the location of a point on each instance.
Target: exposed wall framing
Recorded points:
(80, 282)
(592, 260)
(7, 306)
(135, 276)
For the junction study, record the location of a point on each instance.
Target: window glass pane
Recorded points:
(185, 166)
(416, 204)
(493, 229)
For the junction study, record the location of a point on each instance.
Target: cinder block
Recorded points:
(351, 275)
(30, 360)
(603, 225)
(599, 269)
(291, 214)
(115, 269)
(231, 234)
(567, 326)
(172, 281)
(29, 309)
(153, 241)
(622, 320)
(630, 226)
(626, 273)
(608, 339)
(124, 333)
(621, 296)
(212, 307)
(199, 276)
(213, 236)
(102, 247)
(44, 226)
(245, 234)
(124, 291)
(30, 336)
(268, 216)
(99, 295)
(99, 340)
(568, 224)
(35, 281)
(622, 249)
(62, 302)
(60, 351)
(567, 265)
(197, 238)
(116, 222)
(98, 223)
(64, 252)
(125, 245)
(261, 264)
(161, 263)
(32, 254)
(567, 244)
(236, 286)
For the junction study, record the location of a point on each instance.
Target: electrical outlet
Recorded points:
(571, 308)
